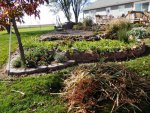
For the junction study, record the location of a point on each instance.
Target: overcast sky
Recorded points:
(46, 17)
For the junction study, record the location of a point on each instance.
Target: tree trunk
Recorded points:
(19, 41)
(76, 18)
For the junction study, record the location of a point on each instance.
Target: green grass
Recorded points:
(27, 35)
(37, 96)
(140, 65)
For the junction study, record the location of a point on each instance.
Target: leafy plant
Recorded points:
(123, 35)
(148, 31)
(60, 57)
(105, 45)
(38, 56)
(17, 63)
(87, 22)
(138, 32)
(78, 27)
(138, 25)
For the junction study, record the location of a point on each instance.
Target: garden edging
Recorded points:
(82, 57)
(40, 69)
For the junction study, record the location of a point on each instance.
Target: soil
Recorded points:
(65, 34)
(2, 73)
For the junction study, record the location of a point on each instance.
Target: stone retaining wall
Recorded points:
(40, 69)
(118, 55)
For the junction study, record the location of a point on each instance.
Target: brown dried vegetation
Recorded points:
(106, 88)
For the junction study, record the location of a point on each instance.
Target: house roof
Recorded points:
(107, 3)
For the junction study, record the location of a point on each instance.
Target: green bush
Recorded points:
(123, 35)
(60, 57)
(138, 25)
(148, 31)
(138, 32)
(17, 63)
(87, 22)
(36, 57)
(77, 27)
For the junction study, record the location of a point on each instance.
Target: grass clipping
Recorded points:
(106, 88)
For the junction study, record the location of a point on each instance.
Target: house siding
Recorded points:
(115, 11)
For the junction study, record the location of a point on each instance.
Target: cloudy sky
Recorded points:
(46, 17)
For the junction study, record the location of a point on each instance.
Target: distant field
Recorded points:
(35, 26)
(26, 34)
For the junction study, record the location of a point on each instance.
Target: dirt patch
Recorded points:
(72, 34)
(2, 73)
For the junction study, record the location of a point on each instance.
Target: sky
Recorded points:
(46, 17)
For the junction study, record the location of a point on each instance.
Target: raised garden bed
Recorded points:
(75, 56)
(75, 35)
(39, 69)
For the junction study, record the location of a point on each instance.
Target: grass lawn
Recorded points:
(141, 65)
(37, 96)
(27, 34)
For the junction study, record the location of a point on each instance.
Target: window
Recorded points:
(142, 6)
(128, 5)
(145, 6)
(138, 7)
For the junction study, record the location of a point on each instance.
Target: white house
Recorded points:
(115, 8)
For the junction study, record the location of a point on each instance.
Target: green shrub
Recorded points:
(36, 57)
(123, 35)
(148, 31)
(138, 25)
(138, 32)
(60, 57)
(77, 27)
(87, 22)
(17, 63)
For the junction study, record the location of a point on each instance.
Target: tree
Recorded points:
(14, 10)
(4, 24)
(77, 6)
(63, 5)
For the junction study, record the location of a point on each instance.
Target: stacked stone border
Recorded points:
(78, 57)
(85, 57)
